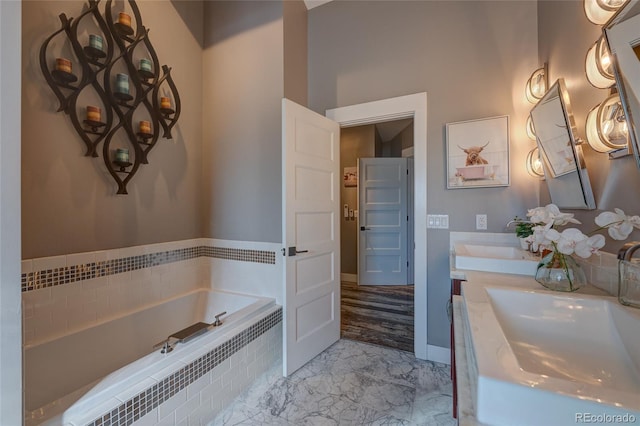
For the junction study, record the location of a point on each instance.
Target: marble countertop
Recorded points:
(522, 282)
(466, 410)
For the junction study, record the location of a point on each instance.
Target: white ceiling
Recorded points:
(390, 129)
(315, 3)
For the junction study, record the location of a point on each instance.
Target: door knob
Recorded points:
(364, 228)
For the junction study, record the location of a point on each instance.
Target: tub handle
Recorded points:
(218, 322)
(165, 345)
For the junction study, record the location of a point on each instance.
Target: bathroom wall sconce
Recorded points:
(599, 11)
(598, 65)
(534, 164)
(537, 84)
(531, 132)
(606, 128)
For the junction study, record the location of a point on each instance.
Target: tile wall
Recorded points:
(200, 390)
(63, 294)
(601, 271)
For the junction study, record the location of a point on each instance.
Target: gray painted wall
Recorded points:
(355, 142)
(295, 51)
(242, 91)
(473, 60)
(68, 200)
(565, 35)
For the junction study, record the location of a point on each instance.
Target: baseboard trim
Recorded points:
(439, 354)
(352, 278)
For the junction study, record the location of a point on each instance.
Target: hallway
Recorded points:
(382, 315)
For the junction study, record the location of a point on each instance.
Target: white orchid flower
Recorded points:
(538, 215)
(585, 248)
(539, 236)
(551, 214)
(572, 240)
(567, 240)
(560, 218)
(618, 224)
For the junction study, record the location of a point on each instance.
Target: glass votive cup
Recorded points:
(94, 113)
(122, 155)
(64, 65)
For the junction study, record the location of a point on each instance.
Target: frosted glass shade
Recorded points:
(598, 65)
(606, 126)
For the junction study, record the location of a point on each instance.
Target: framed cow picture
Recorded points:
(478, 153)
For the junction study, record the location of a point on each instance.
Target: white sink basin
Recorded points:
(495, 258)
(545, 358)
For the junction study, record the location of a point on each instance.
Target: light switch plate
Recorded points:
(438, 221)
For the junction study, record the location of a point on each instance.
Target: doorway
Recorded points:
(377, 297)
(408, 106)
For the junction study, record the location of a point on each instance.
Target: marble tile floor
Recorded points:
(350, 383)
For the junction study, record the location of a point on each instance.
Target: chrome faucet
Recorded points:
(516, 220)
(628, 275)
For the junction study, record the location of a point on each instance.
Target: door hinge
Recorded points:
(407, 218)
(284, 251)
(407, 263)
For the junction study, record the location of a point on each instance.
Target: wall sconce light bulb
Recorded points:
(599, 11)
(605, 129)
(598, 66)
(534, 164)
(537, 85)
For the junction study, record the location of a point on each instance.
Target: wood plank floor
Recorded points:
(382, 315)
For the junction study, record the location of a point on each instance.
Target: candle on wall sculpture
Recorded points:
(105, 66)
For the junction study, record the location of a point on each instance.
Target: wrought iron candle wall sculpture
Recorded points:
(122, 93)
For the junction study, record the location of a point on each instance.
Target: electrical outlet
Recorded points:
(481, 221)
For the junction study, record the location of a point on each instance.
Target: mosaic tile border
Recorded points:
(149, 399)
(87, 271)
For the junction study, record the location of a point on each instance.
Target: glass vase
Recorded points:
(560, 272)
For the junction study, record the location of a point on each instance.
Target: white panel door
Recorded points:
(382, 199)
(311, 233)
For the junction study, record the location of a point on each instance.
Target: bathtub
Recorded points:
(66, 379)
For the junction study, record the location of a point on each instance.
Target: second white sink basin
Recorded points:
(495, 258)
(544, 358)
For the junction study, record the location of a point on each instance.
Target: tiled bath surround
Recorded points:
(63, 294)
(196, 393)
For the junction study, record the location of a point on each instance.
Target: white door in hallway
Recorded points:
(311, 234)
(383, 220)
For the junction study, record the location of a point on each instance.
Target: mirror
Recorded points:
(564, 167)
(623, 37)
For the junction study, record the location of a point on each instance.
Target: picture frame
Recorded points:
(350, 177)
(478, 153)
